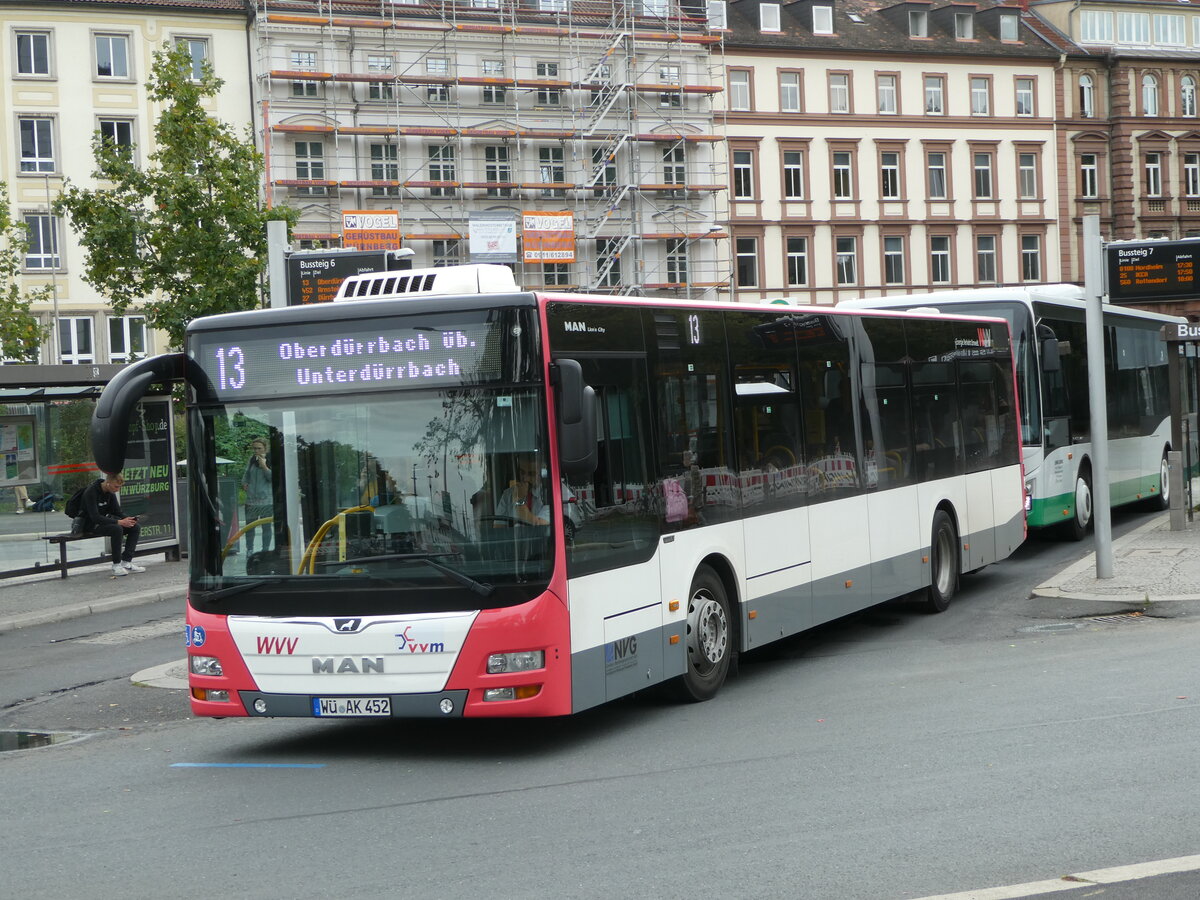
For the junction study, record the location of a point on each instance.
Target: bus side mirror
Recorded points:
(1048, 344)
(577, 450)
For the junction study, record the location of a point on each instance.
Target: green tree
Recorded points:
(186, 232)
(21, 334)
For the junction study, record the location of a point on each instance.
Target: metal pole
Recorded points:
(1093, 289)
(276, 262)
(56, 338)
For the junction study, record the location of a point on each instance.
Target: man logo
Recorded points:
(347, 625)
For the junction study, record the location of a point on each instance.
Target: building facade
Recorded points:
(73, 67)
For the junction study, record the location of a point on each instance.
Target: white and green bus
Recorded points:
(1051, 354)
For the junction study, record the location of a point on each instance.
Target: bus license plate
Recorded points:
(352, 706)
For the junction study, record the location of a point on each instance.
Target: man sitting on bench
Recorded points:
(102, 510)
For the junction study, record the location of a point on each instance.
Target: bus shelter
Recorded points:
(45, 419)
(1183, 343)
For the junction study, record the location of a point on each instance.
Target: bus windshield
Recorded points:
(385, 502)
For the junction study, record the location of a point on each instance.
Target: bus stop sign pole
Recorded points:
(1093, 289)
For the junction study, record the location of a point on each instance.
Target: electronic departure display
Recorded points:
(1153, 270)
(323, 359)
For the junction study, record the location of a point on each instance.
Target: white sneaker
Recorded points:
(29, 504)
(119, 570)
(20, 511)
(130, 567)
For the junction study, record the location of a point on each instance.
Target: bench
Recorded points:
(63, 565)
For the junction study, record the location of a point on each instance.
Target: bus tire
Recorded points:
(1081, 522)
(710, 646)
(943, 563)
(1162, 500)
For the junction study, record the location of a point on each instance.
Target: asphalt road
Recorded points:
(890, 755)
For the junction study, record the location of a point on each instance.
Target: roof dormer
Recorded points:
(957, 20)
(911, 17)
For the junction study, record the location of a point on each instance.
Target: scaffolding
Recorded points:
(443, 111)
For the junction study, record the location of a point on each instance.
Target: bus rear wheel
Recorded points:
(709, 639)
(1081, 523)
(943, 563)
(1162, 500)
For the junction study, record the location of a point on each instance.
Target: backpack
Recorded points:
(74, 507)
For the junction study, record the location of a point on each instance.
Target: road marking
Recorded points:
(136, 633)
(247, 765)
(1114, 875)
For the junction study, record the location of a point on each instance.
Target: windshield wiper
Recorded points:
(477, 587)
(231, 591)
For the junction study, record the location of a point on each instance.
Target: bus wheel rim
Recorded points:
(1083, 501)
(1164, 487)
(709, 631)
(945, 553)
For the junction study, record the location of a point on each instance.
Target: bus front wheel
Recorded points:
(943, 563)
(709, 638)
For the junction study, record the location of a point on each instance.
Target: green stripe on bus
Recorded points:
(1059, 508)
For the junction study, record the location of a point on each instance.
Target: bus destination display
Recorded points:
(1154, 270)
(281, 362)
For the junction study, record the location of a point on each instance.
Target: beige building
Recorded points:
(882, 147)
(68, 69)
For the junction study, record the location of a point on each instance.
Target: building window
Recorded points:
(985, 258)
(437, 67)
(1087, 97)
(385, 166)
(604, 168)
(846, 249)
(936, 166)
(552, 170)
(669, 75)
(608, 262)
(112, 56)
(1027, 176)
(118, 133)
(677, 261)
(493, 93)
(197, 52)
(1187, 96)
(964, 26)
(716, 13)
(445, 253)
(918, 24)
(304, 61)
(739, 89)
(1133, 28)
(42, 252)
(790, 98)
(935, 95)
(380, 66)
(496, 168)
(893, 259)
(441, 168)
(1024, 97)
(889, 175)
(33, 53)
(939, 259)
(674, 166)
(843, 175)
(743, 174)
(548, 96)
(839, 92)
(1095, 27)
(797, 261)
(768, 17)
(1089, 175)
(1169, 30)
(126, 339)
(556, 274)
(1008, 27)
(310, 166)
(793, 175)
(76, 342)
(654, 7)
(475, 4)
(885, 89)
(37, 144)
(822, 20)
(1153, 174)
(1191, 174)
(552, 6)
(1149, 95)
(1031, 257)
(981, 164)
(746, 262)
(981, 96)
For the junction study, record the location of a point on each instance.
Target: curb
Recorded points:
(78, 610)
(172, 675)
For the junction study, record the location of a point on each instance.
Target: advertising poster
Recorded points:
(493, 237)
(367, 229)
(149, 489)
(18, 443)
(548, 237)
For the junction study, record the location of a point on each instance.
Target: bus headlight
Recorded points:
(524, 661)
(205, 665)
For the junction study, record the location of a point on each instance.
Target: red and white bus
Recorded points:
(499, 502)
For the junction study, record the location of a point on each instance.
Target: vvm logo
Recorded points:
(407, 643)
